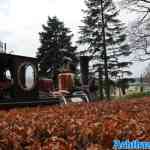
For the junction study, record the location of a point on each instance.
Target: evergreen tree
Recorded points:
(115, 37)
(56, 48)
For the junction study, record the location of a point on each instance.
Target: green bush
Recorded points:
(133, 95)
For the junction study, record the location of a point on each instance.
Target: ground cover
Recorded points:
(83, 126)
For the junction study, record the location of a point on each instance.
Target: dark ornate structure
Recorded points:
(22, 84)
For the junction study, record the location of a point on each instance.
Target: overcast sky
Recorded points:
(21, 22)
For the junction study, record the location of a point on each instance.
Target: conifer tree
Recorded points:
(56, 48)
(115, 37)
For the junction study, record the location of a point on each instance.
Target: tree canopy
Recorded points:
(115, 37)
(56, 48)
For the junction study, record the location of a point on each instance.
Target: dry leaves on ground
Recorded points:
(91, 126)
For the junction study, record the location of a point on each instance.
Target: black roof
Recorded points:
(6, 59)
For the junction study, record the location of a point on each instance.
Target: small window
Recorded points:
(8, 75)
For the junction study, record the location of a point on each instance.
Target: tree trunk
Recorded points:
(107, 88)
(101, 85)
(123, 91)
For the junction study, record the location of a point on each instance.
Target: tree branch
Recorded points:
(146, 1)
(142, 19)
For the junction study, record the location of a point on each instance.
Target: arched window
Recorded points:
(27, 76)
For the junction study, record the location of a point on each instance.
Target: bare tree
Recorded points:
(146, 75)
(139, 41)
(139, 6)
(139, 30)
